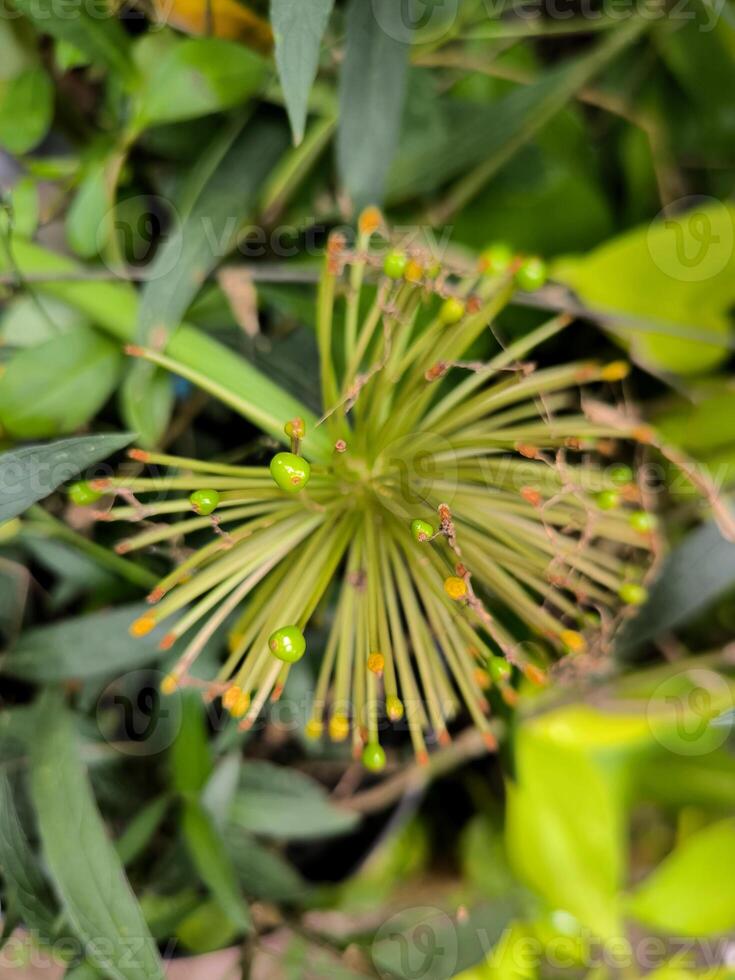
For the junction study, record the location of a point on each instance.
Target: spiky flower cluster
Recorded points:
(463, 509)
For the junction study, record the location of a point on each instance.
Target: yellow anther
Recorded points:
(573, 641)
(142, 626)
(615, 371)
(455, 587)
(414, 272)
(229, 698)
(314, 729)
(376, 662)
(339, 727)
(369, 221)
(169, 684)
(241, 705)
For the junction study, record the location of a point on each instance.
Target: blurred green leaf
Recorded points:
(191, 757)
(89, 879)
(28, 321)
(89, 26)
(206, 928)
(33, 472)
(25, 204)
(27, 890)
(146, 408)
(564, 828)
(691, 576)
(85, 218)
(692, 892)
(212, 862)
(283, 804)
(57, 386)
(678, 274)
(138, 833)
(262, 873)
(298, 29)
(371, 94)
(194, 77)
(26, 110)
(81, 647)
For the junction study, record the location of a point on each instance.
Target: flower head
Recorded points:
(455, 503)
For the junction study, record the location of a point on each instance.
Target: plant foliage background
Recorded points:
(170, 172)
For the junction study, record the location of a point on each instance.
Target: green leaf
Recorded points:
(675, 278)
(88, 25)
(371, 95)
(286, 805)
(25, 204)
(194, 77)
(57, 386)
(191, 758)
(210, 858)
(139, 832)
(88, 878)
(298, 29)
(262, 873)
(486, 137)
(113, 306)
(564, 828)
(94, 645)
(206, 928)
(146, 409)
(691, 577)
(32, 473)
(27, 889)
(26, 110)
(86, 215)
(30, 320)
(692, 892)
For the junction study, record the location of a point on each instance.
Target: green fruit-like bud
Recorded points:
(394, 264)
(643, 522)
(633, 594)
(82, 494)
(532, 274)
(452, 310)
(204, 502)
(288, 644)
(607, 499)
(291, 472)
(500, 669)
(621, 474)
(373, 757)
(495, 259)
(421, 530)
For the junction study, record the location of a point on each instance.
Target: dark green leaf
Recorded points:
(88, 877)
(89, 25)
(54, 388)
(82, 647)
(146, 409)
(140, 830)
(210, 858)
(262, 873)
(26, 110)
(191, 758)
(372, 89)
(26, 886)
(287, 805)
(85, 218)
(692, 576)
(298, 29)
(32, 473)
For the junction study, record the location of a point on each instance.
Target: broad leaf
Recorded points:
(194, 77)
(81, 647)
(56, 387)
(191, 757)
(692, 892)
(26, 110)
(88, 878)
(286, 805)
(89, 25)
(33, 472)
(692, 576)
(27, 889)
(371, 95)
(298, 29)
(210, 858)
(262, 873)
